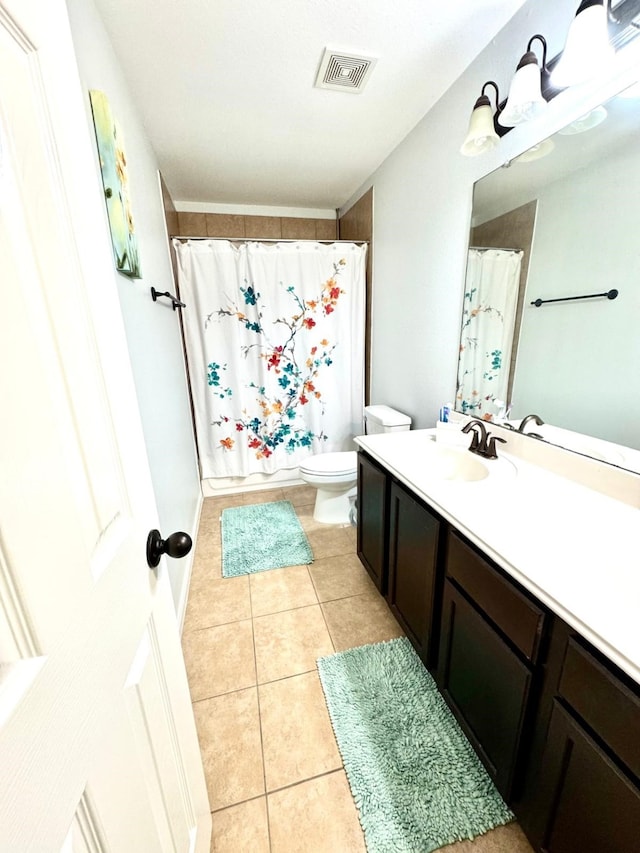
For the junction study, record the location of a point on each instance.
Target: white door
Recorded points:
(98, 750)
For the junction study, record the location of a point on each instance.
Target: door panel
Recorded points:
(85, 834)
(372, 520)
(92, 757)
(413, 561)
(485, 684)
(592, 806)
(157, 745)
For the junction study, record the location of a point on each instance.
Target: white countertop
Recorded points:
(576, 550)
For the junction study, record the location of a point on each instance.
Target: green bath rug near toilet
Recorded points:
(262, 536)
(417, 783)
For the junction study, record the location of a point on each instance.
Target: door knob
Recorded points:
(176, 545)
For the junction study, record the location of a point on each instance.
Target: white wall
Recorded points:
(152, 329)
(423, 194)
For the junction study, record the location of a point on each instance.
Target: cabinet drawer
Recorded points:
(509, 609)
(605, 704)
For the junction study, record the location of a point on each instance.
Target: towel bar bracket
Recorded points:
(175, 303)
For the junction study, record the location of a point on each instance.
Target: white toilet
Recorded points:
(335, 475)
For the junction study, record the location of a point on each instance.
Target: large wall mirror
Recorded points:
(562, 220)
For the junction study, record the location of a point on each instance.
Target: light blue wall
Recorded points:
(422, 205)
(152, 329)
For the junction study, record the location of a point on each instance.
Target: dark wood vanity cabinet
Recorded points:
(586, 787)
(489, 647)
(398, 544)
(413, 588)
(555, 723)
(373, 496)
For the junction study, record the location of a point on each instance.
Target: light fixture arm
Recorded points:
(495, 86)
(542, 39)
(612, 18)
(484, 98)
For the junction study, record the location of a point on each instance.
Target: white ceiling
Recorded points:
(225, 88)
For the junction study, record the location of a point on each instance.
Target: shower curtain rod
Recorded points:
(268, 240)
(496, 248)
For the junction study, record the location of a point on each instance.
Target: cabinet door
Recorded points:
(590, 804)
(372, 520)
(485, 684)
(413, 579)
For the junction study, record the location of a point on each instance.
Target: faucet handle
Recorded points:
(491, 445)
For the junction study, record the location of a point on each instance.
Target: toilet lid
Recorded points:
(343, 462)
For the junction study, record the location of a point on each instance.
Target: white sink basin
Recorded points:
(460, 465)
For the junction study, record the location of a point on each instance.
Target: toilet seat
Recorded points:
(331, 464)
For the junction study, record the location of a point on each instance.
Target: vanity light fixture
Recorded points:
(588, 50)
(525, 99)
(536, 152)
(585, 122)
(484, 132)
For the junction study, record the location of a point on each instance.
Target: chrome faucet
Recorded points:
(482, 442)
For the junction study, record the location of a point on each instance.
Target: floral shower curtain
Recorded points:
(274, 335)
(486, 338)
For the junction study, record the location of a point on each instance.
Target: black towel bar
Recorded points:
(610, 294)
(175, 302)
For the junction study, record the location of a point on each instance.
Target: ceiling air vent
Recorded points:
(344, 72)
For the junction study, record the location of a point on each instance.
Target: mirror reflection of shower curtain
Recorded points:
(486, 337)
(274, 335)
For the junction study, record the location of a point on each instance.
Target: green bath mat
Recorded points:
(417, 783)
(262, 536)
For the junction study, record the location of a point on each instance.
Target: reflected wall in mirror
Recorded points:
(574, 214)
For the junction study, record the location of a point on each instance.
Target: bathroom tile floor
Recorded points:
(274, 773)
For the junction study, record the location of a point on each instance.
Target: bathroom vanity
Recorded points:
(519, 590)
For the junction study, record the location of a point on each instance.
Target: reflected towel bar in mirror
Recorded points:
(610, 294)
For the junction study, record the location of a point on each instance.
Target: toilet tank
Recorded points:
(384, 419)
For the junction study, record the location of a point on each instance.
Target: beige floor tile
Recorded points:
(216, 601)
(300, 495)
(263, 496)
(220, 502)
(219, 659)
(209, 526)
(352, 534)
(207, 560)
(211, 509)
(317, 816)
(281, 589)
(229, 735)
(359, 620)
(289, 643)
(504, 839)
(297, 739)
(241, 829)
(306, 519)
(331, 541)
(339, 577)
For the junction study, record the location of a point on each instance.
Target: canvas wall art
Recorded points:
(115, 182)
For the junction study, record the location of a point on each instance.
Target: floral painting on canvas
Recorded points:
(115, 182)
